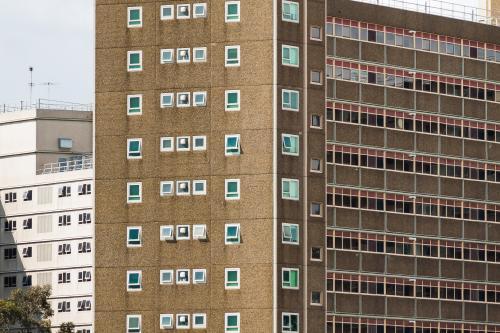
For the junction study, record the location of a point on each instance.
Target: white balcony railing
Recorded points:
(75, 163)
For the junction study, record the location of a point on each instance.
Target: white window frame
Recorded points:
(226, 49)
(187, 326)
(178, 142)
(178, 53)
(167, 105)
(226, 228)
(238, 281)
(129, 184)
(226, 100)
(288, 269)
(298, 13)
(226, 6)
(167, 138)
(320, 33)
(167, 182)
(128, 149)
(320, 165)
(167, 282)
(283, 180)
(163, 51)
(177, 231)
(128, 236)
(283, 47)
(226, 182)
(289, 91)
(188, 104)
(165, 315)
(172, 231)
(229, 329)
(320, 209)
(129, 53)
(129, 10)
(320, 257)
(283, 314)
(200, 4)
(320, 83)
(226, 137)
(204, 271)
(179, 6)
(204, 49)
(199, 148)
(140, 280)
(177, 281)
(177, 187)
(200, 93)
(291, 136)
(204, 325)
(283, 225)
(134, 328)
(196, 228)
(129, 97)
(172, 10)
(200, 181)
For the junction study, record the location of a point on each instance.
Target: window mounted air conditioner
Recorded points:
(183, 141)
(183, 9)
(182, 275)
(183, 186)
(183, 98)
(183, 319)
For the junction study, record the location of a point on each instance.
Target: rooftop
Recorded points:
(441, 8)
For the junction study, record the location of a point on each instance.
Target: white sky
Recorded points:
(56, 37)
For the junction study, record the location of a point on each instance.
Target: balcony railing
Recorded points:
(46, 104)
(441, 8)
(82, 162)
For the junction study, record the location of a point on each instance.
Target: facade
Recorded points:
(46, 201)
(282, 166)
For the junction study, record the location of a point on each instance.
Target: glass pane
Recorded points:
(232, 9)
(232, 142)
(294, 100)
(232, 276)
(232, 187)
(134, 146)
(232, 321)
(232, 53)
(232, 98)
(134, 58)
(133, 234)
(133, 322)
(232, 231)
(134, 190)
(134, 102)
(133, 278)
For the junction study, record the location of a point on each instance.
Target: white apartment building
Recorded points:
(46, 203)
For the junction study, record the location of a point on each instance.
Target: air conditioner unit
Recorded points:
(183, 141)
(183, 186)
(184, 98)
(184, 9)
(183, 275)
(183, 319)
(183, 53)
(183, 230)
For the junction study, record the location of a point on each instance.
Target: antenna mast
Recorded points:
(31, 83)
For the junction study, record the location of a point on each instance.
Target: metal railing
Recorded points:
(441, 8)
(81, 162)
(47, 104)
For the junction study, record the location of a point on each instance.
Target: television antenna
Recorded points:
(48, 84)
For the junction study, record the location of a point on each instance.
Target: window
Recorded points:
(183, 143)
(232, 100)
(28, 195)
(166, 100)
(290, 55)
(232, 144)
(166, 232)
(199, 320)
(10, 225)
(199, 54)
(231, 322)
(290, 100)
(232, 189)
(84, 276)
(316, 77)
(10, 197)
(199, 142)
(290, 189)
(10, 281)
(167, 56)
(232, 234)
(290, 278)
(289, 322)
(166, 276)
(316, 33)
(290, 233)
(232, 278)
(199, 276)
(183, 12)
(183, 100)
(316, 121)
(10, 253)
(166, 144)
(65, 143)
(64, 191)
(199, 98)
(182, 276)
(182, 187)
(84, 218)
(84, 247)
(232, 11)
(316, 209)
(134, 17)
(63, 249)
(134, 279)
(182, 232)
(28, 223)
(183, 55)
(166, 188)
(316, 253)
(290, 144)
(133, 323)
(84, 189)
(134, 148)
(134, 192)
(199, 10)
(290, 11)
(64, 306)
(316, 165)
(182, 321)
(232, 56)
(200, 231)
(167, 12)
(27, 252)
(134, 61)
(84, 305)
(166, 321)
(199, 187)
(134, 236)
(27, 281)
(134, 104)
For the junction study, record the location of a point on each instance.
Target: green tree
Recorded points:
(8, 314)
(68, 327)
(32, 307)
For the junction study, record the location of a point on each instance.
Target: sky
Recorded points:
(56, 38)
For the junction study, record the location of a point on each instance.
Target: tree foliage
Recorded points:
(68, 327)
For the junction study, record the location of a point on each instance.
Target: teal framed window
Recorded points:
(232, 144)
(166, 321)
(231, 322)
(199, 320)
(290, 55)
(290, 144)
(290, 11)
(290, 233)
(290, 100)
(232, 189)
(133, 323)
(232, 56)
(134, 280)
(134, 104)
(232, 278)
(290, 278)
(232, 234)
(232, 11)
(232, 100)
(134, 61)
(134, 192)
(290, 189)
(134, 148)
(134, 236)
(134, 17)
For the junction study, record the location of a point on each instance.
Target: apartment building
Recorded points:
(295, 166)
(46, 201)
